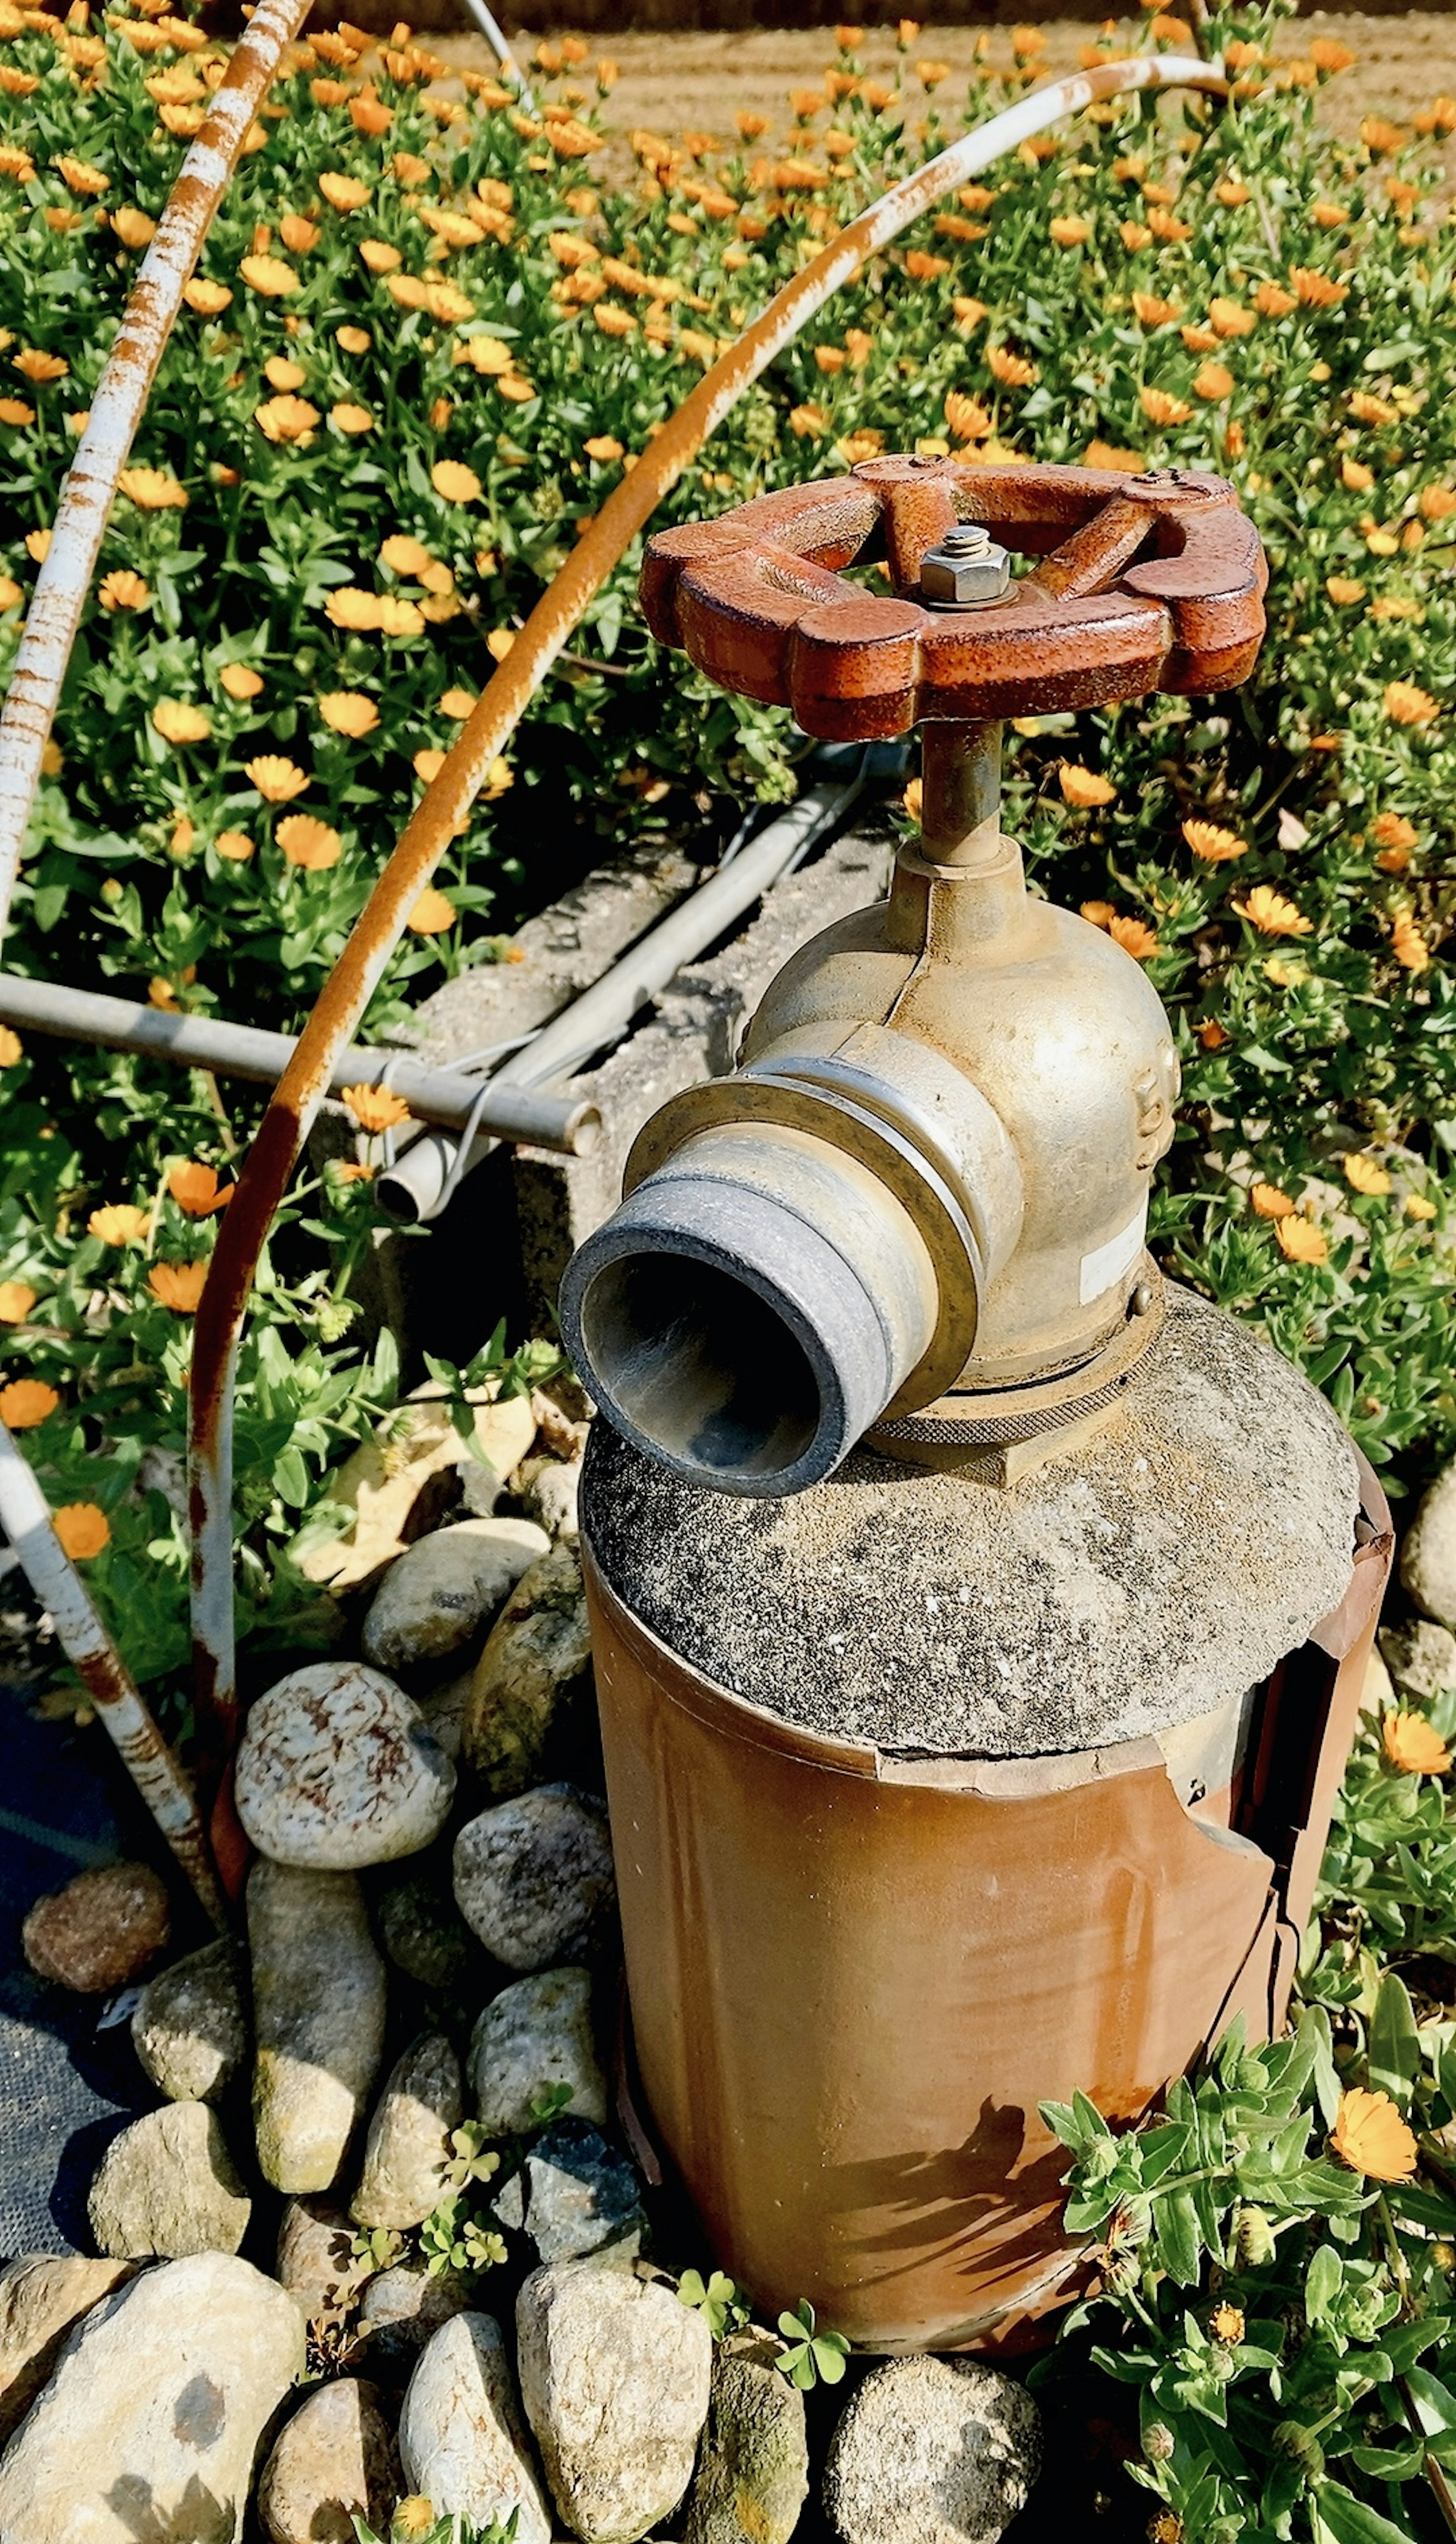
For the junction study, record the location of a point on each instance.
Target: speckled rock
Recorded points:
(533, 1878)
(532, 2036)
(408, 2148)
(100, 1929)
(575, 2195)
(336, 1770)
(399, 2310)
(1420, 1657)
(753, 2465)
(552, 1494)
(424, 1936)
(1428, 1551)
(190, 2030)
(1157, 1571)
(461, 2437)
(149, 2427)
(437, 1594)
(167, 2186)
(316, 2260)
(615, 2376)
(335, 2456)
(318, 2020)
(931, 2451)
(533, 1677)
(43, 2298)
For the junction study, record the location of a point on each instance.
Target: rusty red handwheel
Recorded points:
(1144, 583)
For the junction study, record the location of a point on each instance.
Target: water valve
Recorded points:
(918, 1209)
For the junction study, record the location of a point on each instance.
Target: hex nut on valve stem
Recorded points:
(965, 569)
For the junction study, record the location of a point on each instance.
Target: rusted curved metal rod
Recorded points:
(148, 1761)
(90, 486)
(435, 823)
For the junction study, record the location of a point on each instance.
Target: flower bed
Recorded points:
(422, 344)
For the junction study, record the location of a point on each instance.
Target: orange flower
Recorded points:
(195, 1188)
(1273, 916)
(1300, 1242)
(178, 1286)
(1354, 476)
(1329, 54)
(277, 779)
(1211, 1034)
(1344, 590)
(123, 590)
(1133, 236)
(1227, 2325)
(432, 914)
(1370, 2137)
(117, 1223)
(283, 374)
(152, 489)
(208, 299)
(1105, 454)
(81, 178)
(1437, 502)
(1378, 135)
(24, 1402)
(453, 481)
(1083, 787)
(179, 722)
(352, 340)
(376, 1108)
(1153, 312)
(1214, 845)
(1393, 830)
(1408, 945)
(1162, 407)
(1365, 1174)
(308, 843)
(346, 194)
(1404, 703)
(603, 448)
(1231, 318)
(286, 419)
(1270, 1202)
(39, 366)
(457, 703)
(1273, 302)
(966, 418)
(1069, 230)
(349, 711)
(269, 277)
(1213, 381)
(83, 1528)
(348, 418)
(240, 681)
(1011, 369)
(234, 845)
(1134, 937)
(1317, 290)
(11, 1047)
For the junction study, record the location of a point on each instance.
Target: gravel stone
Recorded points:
(167, 2186)
(424, 1936)
(436, 1595)
(614, 2374)
(534, 1679)
(190, 2030)
(461, 2435)
(336, 1770)
(532, 2036)
(43, 2298)
(533, 1878)
(100, 1930)
(150, 2427)
(931, 2451)
(1420, 1657)
(1156, 1572)
(335, 2456)
(403, 2179)
(576, 2194)
(318, 2015)
(401, 2309)
(1428, 1552)
(753, 2465)
(315, 2259)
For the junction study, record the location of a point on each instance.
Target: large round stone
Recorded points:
(614, 2374)
(932, 2451)
(167, 2186)
(190, 2030)
(531, 2038)
(461, 2435)
(100, 1930)
(337, 1769)
(336, 2458)
(437, 1594)
(533, 1878)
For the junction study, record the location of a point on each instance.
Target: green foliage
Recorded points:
(1277, 2248)
(458, 2243)
(471, 2159)
(810, 2357)
(549, 2104)
(377, 2248)
(718, 2298)
(414, 2523)
(527, 370)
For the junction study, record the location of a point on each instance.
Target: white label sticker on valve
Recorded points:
(1110, 1261)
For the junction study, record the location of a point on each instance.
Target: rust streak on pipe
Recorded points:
(84, 1639)
(90, 486)
(496, 713)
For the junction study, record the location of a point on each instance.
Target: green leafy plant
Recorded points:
(377, 2248)
(457, 2241)
(718, 2298)
(809, 2356)
(549, 2105)
(414, 2523)
(471, 2159)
